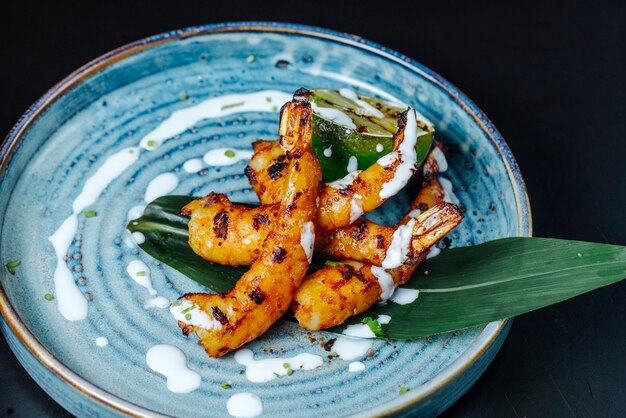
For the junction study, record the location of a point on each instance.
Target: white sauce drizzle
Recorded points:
(193, 165)
(365, 109)
(356, 366)
(140, 273)
(102, 341)
(363, 330)
(398, 250)
(328, 152)
(415, 213)
(160, 186)
(334, 115)
(218, 157)
(388, 159)
(70, 300)
(404, 296)
(307, 239)
(356, 208)
(442, 163)
(359, 330)
(349, 348)
(379, 147)
(353, 164)
(190, 314)
(244, 405)
(183, 119)
(171, 362)
(408, 158)
(345, 181)
(265, 370)
(157, 302)
(136, 212)
(433, 252)
(385, 281)
(139, 237)
(448, 194)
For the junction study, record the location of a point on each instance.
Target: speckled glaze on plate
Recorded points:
(111, 103)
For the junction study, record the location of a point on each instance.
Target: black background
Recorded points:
(551, 77)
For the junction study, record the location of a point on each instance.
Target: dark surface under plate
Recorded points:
(551, 78)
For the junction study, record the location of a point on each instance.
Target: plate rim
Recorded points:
(466, 359)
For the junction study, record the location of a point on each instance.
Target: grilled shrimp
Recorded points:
(332, 294)
(390, 247)
(225, 233)
(342, 202)
(224, 322)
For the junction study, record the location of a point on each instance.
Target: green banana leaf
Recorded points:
(460, 288)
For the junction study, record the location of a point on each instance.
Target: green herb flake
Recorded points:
(403, 390)
(48, 296)
(141, 273)
(188, 317)
(286, 365)
(191, 308)
(230, 153)
(91, 214)
(242, 371)
(268, 99)
(230, 106)
(182, 96)
(177, 302)
(226, 385)
(11, 265)
(331, 263)
(277, 375)
(289, 372)
(152, 143)
(375, 327)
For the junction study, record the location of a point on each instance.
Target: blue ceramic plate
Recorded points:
(111, 104)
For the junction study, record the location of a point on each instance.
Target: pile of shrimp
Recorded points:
(299, 215)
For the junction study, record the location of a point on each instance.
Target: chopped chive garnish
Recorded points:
(229, 153)
(177, 302)
(289, 372)
(191, 308)
(229, 106)
(188, 317)
(226, 385)
(332, 263)
(11, 266)
(403, 390)
(242, 371)
(268, 99)
(374, 326)
(48, 297)
(286, 365)
(276, 374)
(152, 143)
(182, 96)
(91, 214)
(141, 273)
